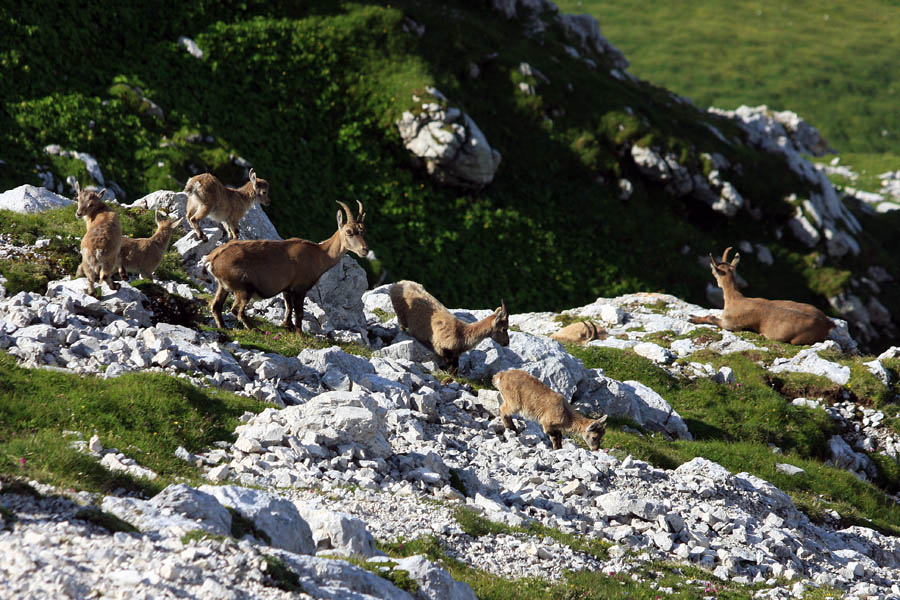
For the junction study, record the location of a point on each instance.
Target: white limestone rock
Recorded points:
(28, 199)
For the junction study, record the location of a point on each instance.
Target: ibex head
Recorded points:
(500, 325)
(352, 230)
(723, 270)
(260, 188)
(89, 201)
(595, 432)
(163, 222)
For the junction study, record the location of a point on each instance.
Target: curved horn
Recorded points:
(349, 214)
(362, 214)
(725, 254)
(503, 310)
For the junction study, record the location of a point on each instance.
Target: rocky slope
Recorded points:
(354, 449)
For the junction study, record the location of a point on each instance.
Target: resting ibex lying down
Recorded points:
(207, 197)
(265, 268)
(780, 320)
(102, 239)
(143, 255)
(426, 319)
(527, 396)
(580, 332)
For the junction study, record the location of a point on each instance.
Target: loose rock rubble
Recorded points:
(356, 449)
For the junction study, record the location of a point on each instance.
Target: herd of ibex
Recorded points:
(265, 268)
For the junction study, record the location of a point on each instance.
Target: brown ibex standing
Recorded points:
(265, 268)
(526, 395)
(207, 197)
(427, 320)
(143, 255)
(102, 238)
(779, 320)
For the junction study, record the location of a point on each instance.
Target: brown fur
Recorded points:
(207, 197)
(581, 332)
(424, 318)
(780, 320)
(143, 255)
(265, 268)
(527, 396)
(102, 239)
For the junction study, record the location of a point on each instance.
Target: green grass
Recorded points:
(108, 521)
(687, 582)
(146, 416)
(786, 55)
(269, 337)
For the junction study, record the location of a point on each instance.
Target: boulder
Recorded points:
(272, 515)
(434, 582)
(338, 532)
(447, 140)
(194, 504)
(28, 199)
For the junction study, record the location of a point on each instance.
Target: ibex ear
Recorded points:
(340, 220)
(157, 216)
(503, 311)
(77, 188)
(102, 193)
(253, 177)
(737, 259)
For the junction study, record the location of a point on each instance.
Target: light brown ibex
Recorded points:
(207, 197)
(143, 255)
(265, 268)
(779, 320)
(102, 238)
(580, 332)
(527, 396)
(427, 320)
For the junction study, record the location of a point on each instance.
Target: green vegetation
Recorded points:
(103, 519)
(198, 535)
(272, 338)
(687, 582)
(280, 575)
(146, 416)
(784, 55)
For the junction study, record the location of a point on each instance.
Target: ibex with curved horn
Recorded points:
(207, 197)
(780, 320)
(265, 268)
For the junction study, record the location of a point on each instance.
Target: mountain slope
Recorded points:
(309, 95)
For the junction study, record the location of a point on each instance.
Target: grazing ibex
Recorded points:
(143, 255)
(779, 320)
(265, 268)
(207, 197)
(424, 318)
(102, 238)
(580, 332)
(526, 395)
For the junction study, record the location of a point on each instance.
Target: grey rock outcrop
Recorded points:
(452, 147)
(29, 199)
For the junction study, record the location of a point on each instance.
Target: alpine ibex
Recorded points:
(102, 238)
(265, 268)
(779, 320)
(427, 320)
(207, 197)
(526, 395)
(143, 255)
(579, 332)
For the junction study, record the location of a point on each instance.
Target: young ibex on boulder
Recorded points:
(265, 268)
(102, 238)
(780, 320)
(581, 332)
(424, 318)
(143, 255)
(207, 197)
(527, 396)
